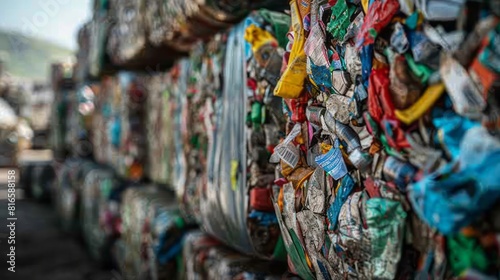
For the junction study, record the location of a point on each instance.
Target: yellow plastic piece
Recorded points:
(364, 3)
(291, 83)
(234, 174)
(257, 37)
(308, 260)
(339, 183)
(300, 184)
(300, 139)
(424, 103)
(280, 199)
(325, 148)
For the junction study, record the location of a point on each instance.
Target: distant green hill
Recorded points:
(30, 57)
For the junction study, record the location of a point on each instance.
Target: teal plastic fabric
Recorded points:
(386, 221)
(446, 203)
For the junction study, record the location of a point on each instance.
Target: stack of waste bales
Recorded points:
(206, 129)
(355, 139)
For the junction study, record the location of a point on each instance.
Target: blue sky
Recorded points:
(54, 20)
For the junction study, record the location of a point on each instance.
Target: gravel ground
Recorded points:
(43, 252)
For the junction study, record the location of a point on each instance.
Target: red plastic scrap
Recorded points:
(382, 77)
(396, 137)
(372, 188)
(298, 108)
(379, 15)
(381, 108)
(378, 81)
(260, 199)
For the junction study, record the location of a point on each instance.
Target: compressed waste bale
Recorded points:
(119, 253)
(76, 136)
(106, 122)
(98, 59)
(62, 173)
(206, 258)
(64, 109)
(385, 104)
(92, 38)
(159, 128)
(236, 202)
(84, 41)
(25, 171)
(99, 212)
(196, 245)
(60, 113)
(180, 24)
(42, 181)
(192, 113)
(86, 107)
(152, 233)
(128, 45)
(186, 196)
(99, 124)
(164, 20)
(128, 35)
(126, 127)
(66, 195)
